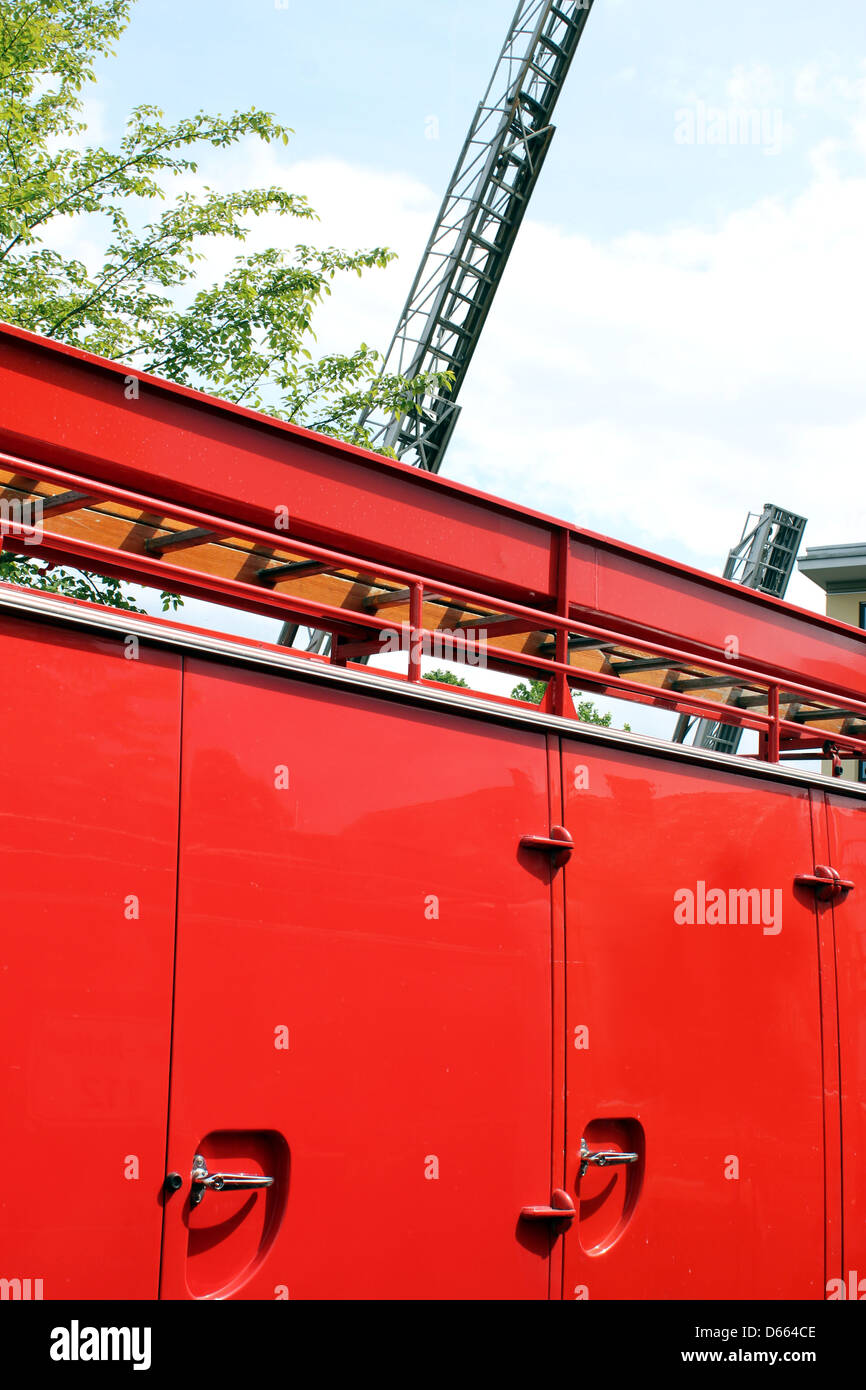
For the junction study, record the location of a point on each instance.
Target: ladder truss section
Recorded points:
(371, 609)
(766, 553)
(478, 222)
(763, 559)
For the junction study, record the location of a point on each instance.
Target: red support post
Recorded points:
(774, 730)
(416, 604)
(561, 701)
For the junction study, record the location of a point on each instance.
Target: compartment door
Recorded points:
(363, 1005)
(88, 853)
(846, 852)
(694, 1044)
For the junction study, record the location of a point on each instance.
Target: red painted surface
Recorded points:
(833, 1202)
(378, 910)
(847, 845)
(70, 408)
(250, 595)
(707, 1036)
(65, 407)
(89, 821)
(431, 973)
(420, 954)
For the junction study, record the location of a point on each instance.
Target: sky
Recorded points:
(678, 337)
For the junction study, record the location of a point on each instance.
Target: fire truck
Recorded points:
(323, 979)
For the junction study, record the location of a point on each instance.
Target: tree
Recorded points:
(445, 677)
(533, 693)
(246, 338)
(586, 710)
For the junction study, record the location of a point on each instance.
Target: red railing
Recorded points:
(776, 732)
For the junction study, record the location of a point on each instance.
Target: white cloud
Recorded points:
(827, 86)
(755, 84)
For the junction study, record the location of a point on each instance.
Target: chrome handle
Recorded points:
(602, 1158)
(221, 1182)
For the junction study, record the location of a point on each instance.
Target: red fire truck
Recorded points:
(323, 979)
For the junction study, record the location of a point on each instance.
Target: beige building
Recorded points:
(840, 570)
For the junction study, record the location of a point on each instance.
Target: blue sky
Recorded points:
(358, 82)
(679, 334)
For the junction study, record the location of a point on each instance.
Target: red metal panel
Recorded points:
(69, 408)
(847, 854)
(560, 1014)
(364, 969)
(88, 854)
(696, 1044)
(657, 595)
(833, 1204)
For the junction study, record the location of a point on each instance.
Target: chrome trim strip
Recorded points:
(31, 602)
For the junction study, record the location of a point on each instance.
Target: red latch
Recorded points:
(558, 843)
(561, 1209)
(827, 883)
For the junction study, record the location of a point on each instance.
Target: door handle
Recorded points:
(558, 843)
(602, 1158)
(202, 1180)
(827, 883)
(561, 1209)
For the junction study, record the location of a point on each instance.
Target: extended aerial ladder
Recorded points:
(475, 231)
(478, 222)
(763, 559)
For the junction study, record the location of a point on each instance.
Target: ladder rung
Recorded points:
(718, 682)
(178, 540)
(531, 104)
(509, 188)
(453, 328)
(649, 663)
(386, 599)
(491, 212)
(551, 46)
(804, 716)
(540, 72)
(445, 356)
(566, 18)
(458, 294)
(479, 240)
(63, 502)
(473, 269)
(293, 569)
